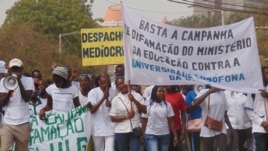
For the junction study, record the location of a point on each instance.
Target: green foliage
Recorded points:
(197, 21)
(37, 51)
(53, 17)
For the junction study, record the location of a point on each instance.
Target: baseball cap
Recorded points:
(3, 68)
(15, 62)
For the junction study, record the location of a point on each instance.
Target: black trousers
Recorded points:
(243, 135)
(215, 143)
(261, 141)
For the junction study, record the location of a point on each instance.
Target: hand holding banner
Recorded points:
(218, 56)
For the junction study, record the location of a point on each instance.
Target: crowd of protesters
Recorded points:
(126, 118)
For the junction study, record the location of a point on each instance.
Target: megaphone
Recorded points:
(198, 88)
(10, 82)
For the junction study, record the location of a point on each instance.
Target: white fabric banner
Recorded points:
(68, 131)
(160, 54)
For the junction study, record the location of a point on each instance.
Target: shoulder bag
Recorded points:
(212, 123)
(137, 130)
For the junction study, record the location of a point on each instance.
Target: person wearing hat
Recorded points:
(62, 95)
(16, 123)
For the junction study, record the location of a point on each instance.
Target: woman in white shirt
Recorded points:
(158, 122)
(125, 112)
(214, 107)
(84, 88)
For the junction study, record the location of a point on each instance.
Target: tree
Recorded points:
(37, 51)
(52, 17)
(197, 21)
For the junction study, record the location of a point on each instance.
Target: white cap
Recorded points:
(15, 62)
(3, 68)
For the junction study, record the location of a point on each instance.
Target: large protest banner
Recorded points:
(102, 46)
(68, 131)
(160, 54)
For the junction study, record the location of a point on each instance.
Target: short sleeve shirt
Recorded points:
(217, 109)
(62, 98)
(157, 114)
(121, 106)
(178, 104)
(17, 110)
(102, 124)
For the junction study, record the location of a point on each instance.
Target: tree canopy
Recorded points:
(37, 51)
(51, 16)
(31, 30)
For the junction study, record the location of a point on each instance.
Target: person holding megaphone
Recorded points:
(15, 91)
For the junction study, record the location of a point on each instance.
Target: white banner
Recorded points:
(159, 54)
(61, 132)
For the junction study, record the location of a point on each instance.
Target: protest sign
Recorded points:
(160, 54)
(102, 46)
(68, 131)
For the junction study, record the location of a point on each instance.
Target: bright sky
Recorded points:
(151, 9)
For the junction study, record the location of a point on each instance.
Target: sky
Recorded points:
(150, 9)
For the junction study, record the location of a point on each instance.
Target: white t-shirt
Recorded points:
(113, 86)
(256, 111)
(82, 99)
(147, 91)
(218, 106)
(62, 98)
(101, 121)
(157, 114)
(236, 112)
(121, 106)
(17, 110)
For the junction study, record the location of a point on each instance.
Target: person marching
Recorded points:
(102, 126)
(16, 123)
(62, 96)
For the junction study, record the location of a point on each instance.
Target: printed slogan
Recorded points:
(224, 56)
(62, 131)
(102, 46)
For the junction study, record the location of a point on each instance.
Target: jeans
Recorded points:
(194, 138)
(157, 142)
(127, 142)
(261, 140)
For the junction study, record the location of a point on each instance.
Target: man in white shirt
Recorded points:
(16, 127)
(118, 71)
(102, 127)
(256, 108)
